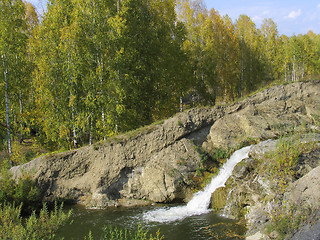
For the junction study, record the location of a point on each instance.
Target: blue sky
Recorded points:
(291, 16)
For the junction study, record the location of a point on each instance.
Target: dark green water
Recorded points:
(206, 226)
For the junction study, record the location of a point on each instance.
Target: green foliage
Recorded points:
(204, 156)
(283, 161)
(287, 220)
(22, 191)
(114, 233)
(199, 172)
(219, 154)
(209, 165)
(106, 67)
(93, 69)
(206, 178)
(13, 226)
(25, 151)
(15, 68)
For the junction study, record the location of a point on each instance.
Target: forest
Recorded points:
(88, 69)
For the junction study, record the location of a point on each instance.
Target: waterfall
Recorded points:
(200, 202)
(226, 207)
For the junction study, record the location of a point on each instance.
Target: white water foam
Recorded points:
(200, 202)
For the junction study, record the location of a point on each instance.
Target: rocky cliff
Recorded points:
(153, 163)
(267, 114)
(158, 162)
(275, 200)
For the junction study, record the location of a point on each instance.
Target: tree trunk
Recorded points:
(7, 107)
(101, 65)
(285, 72)
(241, 87)
(90, 131)
(103, 125)
(75, 142)
(21, 123)
(293, 69)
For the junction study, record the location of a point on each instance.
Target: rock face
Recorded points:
(157, 163)
(255, 195)
(246, 188)
(266, 114)
(305, 191)
(308, 232)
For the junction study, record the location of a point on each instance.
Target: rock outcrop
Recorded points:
(266, 114)
(253, 193)
(154, 164)
(158, 162)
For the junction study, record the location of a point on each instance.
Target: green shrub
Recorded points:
(281, 167)
(114, 233)
(14, 227)
(219, 153)
(284, 160)
(21, 192)
(286, 221)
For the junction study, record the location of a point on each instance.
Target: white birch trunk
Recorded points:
(74, 132)
(7, 106)
(285, 73)
(90, 131)
(293, 69)
(20, 111)
(103, 124)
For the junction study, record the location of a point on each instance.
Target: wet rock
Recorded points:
(219, 199)
(244, 168)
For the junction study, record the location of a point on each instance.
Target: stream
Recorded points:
(193, 221)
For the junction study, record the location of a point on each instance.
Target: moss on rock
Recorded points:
(219, 199)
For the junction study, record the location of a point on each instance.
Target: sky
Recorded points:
(292, 16)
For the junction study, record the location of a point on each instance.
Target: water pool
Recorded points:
(198, 227)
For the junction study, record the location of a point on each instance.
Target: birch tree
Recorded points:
(251, 55)
(12, 53)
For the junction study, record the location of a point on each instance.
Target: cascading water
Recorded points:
(227, 206)
(200, 202)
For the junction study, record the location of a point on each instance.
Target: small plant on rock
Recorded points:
(284, 159)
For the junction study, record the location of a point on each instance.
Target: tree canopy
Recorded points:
(89, 69)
